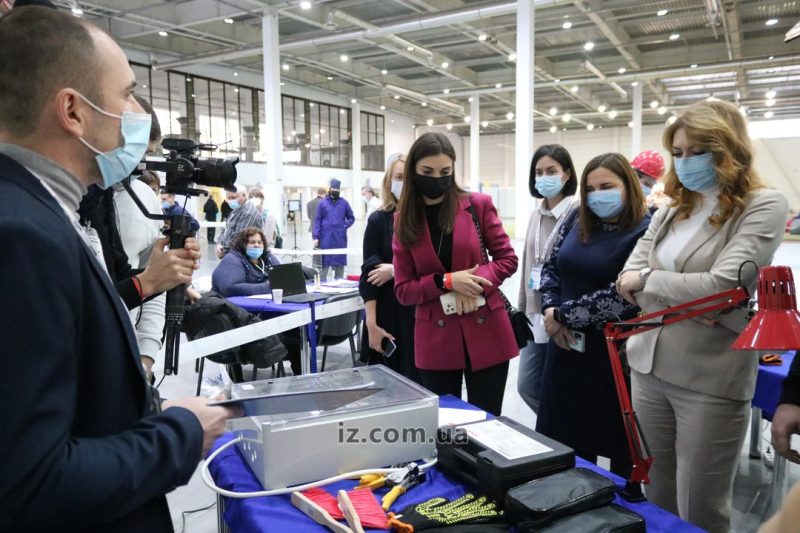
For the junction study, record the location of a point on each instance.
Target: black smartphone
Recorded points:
(388, 346)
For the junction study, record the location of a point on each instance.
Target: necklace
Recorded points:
(439, 249)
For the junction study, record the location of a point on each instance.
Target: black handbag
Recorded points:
(609, 519)
(541, 501)
(520, 324)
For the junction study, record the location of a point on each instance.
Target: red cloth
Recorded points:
(439, 338)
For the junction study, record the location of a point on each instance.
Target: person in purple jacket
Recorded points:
(244, 271)
(334, 216)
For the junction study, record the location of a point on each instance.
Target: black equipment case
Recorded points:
(499, 454)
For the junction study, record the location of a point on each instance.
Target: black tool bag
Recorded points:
(495, 465)
(609, 519)
(546, 499)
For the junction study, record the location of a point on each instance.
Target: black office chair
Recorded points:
(336, 329)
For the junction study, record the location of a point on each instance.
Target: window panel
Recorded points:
(372, 141)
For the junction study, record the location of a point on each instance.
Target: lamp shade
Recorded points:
(776, 325)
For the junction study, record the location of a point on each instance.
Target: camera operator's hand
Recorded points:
(212, 419)
(192, 295)
(147, 365)
(169, 268)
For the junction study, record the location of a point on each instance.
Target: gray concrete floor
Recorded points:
(752, 486)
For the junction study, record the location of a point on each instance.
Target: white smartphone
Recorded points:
(449, 302)
(580, 341)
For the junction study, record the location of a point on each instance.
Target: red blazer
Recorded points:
(438, 338)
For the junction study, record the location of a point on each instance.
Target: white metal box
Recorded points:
(394, 425)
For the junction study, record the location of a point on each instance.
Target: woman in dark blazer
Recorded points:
(385, 316)
(243, 271)
(437, 250)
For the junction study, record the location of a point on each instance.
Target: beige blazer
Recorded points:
(691, 354)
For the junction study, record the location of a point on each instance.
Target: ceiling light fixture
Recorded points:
(482, 37)
(661, 12)
(485, 123)
(573, 89)
(630, 124)
(449, 127)
(567, 25)
(622, 70)
(383, 108)
(353, 101)
(470, 99)
(343, 58)
(654, 104)
(397, 97)
(445, 64)
(693, 65)
(77, 11)
(671, 120)
(286, 66)
(553, 129)
(770, 102)
(282, 84)
(771, 58)
(144, 86)
(590, 126)
(424, 104)
(330, 78)
(509, 116)
(567, 117)
(305, 5)
(588, 46)
(770, 94)
(553, 111)
(342, 111)
(236, 90)
(612, 114)
(429, 122)
(467, 119)
(635, 84)
(227, 20)
(769, 114)
(410, 48)
(512, 56)
(384, 72)
(661, 110)
(163, 33)
(674, 36)
(602, 108)
(771, 22)
(235, 74)
(498, 85)
(446, 91)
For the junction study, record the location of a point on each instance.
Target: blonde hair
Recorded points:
(390, 203)
(719, 128)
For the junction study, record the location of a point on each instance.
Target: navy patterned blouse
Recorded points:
(579, 278)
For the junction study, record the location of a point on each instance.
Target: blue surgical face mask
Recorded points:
(255, 253)
(234, 204)
(165, 205)
(548, 186)
(397, 188)
(697, 173)
(118, 164)
(605, 204)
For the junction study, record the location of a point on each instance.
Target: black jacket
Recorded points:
(78, 452)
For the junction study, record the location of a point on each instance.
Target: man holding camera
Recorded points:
(84, 444)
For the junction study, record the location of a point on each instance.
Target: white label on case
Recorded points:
(505, 440)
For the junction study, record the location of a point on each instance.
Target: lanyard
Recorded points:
(540, 255)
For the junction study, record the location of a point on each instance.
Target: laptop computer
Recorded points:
(289, 277)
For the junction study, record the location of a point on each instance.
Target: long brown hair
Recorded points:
(720, 128)
(411, 208)
(389, 201)
(634, 210)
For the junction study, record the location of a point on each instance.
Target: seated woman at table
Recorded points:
(244, 271)
(579, 404)
(691, 390)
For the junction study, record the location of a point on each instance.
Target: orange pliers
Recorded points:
(771, 359)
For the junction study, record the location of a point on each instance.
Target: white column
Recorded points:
(636, 136)
(272, 137)
(474, 143)
(358, 180)
(524, 116)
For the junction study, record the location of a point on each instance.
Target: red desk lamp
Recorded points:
(776, 326)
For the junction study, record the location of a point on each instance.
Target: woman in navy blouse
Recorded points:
(579, 404)
(243, 271)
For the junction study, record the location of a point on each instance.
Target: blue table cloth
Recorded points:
(277, 514)
(769, 383)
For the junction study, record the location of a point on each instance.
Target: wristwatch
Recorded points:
(644, 274)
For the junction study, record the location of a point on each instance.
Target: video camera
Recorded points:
(183, 167)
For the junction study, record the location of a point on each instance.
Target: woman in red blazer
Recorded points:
(437, 251)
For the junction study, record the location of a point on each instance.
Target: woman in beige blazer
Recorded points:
(690, 389)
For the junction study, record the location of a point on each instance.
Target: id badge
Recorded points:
(535, 281)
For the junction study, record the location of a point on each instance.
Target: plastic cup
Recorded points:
(277, 296)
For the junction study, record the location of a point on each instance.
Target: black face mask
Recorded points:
(334, 195)
(433, 188)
